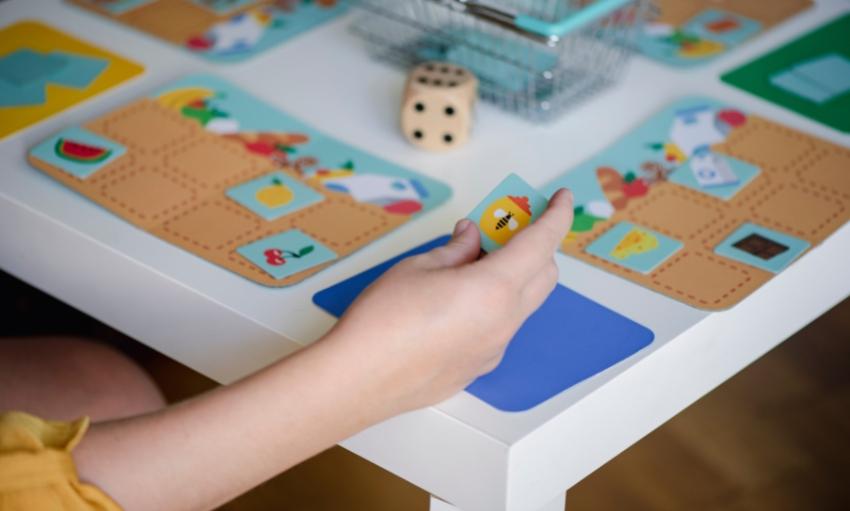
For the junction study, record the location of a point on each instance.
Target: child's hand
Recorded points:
(435, 322)
(418, 335)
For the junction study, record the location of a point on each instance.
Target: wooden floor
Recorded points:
(774, 437)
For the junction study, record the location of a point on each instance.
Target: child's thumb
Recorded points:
(463, 248)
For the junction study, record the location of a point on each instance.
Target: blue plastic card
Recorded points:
(25, 73)
(78, 152)
(794, 83)
(634, 247)
(286, 253)
(80, 70)
(274, 195)
(830, 71)
(761, 247)
(817, 80)
(509, 208)
(26, 67)
(569, 339)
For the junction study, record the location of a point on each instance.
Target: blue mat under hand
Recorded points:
(569, 339)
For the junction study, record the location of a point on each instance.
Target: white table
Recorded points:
(224, 326)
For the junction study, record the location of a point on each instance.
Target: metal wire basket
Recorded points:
(532, 57)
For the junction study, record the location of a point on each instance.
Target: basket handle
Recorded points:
(531, 26)
(578, 19)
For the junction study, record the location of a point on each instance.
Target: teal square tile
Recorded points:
(274, 195)
(831, 72)
(818, 80)
(510, 207)
(722, 26)
(715, 174)
(286, 253)
(25, 67)
(761, 247)
(78, 152)
(790, 81)
(634, 247)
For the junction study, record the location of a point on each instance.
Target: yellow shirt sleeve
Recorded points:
(36, 468)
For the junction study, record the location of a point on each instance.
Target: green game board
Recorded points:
(810, 75)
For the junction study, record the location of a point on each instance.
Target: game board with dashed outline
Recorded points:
(205, 166)
(219, 30)
(705, 202)
(689, 33)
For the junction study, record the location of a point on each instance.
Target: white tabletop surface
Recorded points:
(224, 326)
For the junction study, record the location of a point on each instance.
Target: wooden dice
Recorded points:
(437, 108)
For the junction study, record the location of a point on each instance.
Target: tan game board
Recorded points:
(173, 178)
(768, 13)
(221, 30)
(688, 33)
(801, 191)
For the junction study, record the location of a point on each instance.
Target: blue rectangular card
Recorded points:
(569, 339)
(509, 208)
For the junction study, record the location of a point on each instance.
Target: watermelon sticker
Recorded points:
(78, 151)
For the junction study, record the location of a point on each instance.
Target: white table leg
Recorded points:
(559, 504)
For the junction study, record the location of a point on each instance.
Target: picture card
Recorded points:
(762, 247)
(287, 253)
(634, 247)
(274, 195)
(78, 152)
(509, 208)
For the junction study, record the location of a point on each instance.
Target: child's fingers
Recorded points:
(532, 248)
(553, 225)
(464, 247)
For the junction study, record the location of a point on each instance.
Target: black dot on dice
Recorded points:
(450, 111)
(459, 72)
(419, 107)
(418, 135)
(448, 138)
(445, 69)
(423, 80)
(429, 67)
(438, 82)
(452, 84)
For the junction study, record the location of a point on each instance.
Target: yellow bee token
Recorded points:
(508, 209)
(504, 217)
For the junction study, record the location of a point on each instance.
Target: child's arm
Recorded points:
(418, 335)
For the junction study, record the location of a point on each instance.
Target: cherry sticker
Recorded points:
(274, 257)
